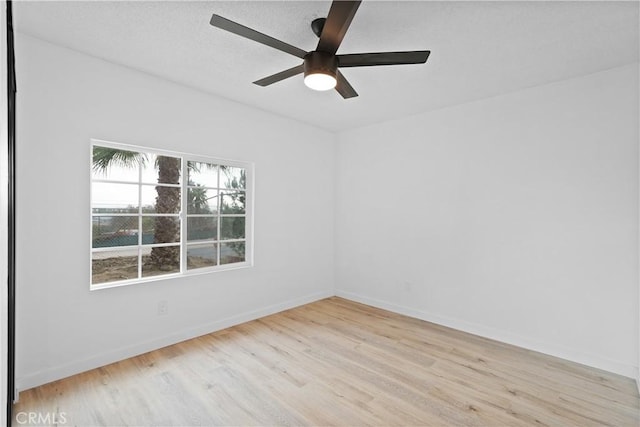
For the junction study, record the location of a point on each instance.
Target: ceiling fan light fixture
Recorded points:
(320, 67)
(320, 70)
(320, 81)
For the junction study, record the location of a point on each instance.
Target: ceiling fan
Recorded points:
(321, 66)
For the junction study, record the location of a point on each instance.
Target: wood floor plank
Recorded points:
(337, 362)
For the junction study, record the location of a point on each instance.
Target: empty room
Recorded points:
(320, 213)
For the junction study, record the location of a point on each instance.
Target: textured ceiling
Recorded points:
(478, 49)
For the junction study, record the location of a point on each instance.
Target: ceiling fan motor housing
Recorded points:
(320, 62)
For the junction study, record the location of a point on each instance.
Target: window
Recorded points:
(158, 214)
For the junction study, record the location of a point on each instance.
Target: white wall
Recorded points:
(66, 98)
(514, 217)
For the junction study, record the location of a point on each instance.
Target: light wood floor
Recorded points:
(336, 362)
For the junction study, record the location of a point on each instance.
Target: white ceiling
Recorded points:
(478, 49)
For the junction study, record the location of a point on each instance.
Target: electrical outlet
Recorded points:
(163, 308)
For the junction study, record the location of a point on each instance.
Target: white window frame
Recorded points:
(184, 272)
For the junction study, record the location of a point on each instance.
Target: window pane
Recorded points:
(107, 197)
(232, 252)
(202, 228)
(199, 256)
(114, 265)
(162, 169)
(233, 178)
(160, 199)
(232, 202)
(202, 174)
(161, 229)
(138, 201)
(159, 261)
(232, 228)
(115, 165)
(202, 201)
(110, 231)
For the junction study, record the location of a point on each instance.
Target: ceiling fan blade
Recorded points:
(344, 88)
(383, 58)
(235, 28)
(280, 76)
(335, 27)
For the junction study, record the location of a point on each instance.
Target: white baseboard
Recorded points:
(77, 366)
(502, 336)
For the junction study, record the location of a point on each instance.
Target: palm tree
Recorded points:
(197, 199)
(237, 206)
(167, 230)
(198, 203)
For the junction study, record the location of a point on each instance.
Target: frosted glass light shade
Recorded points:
(320, 81)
